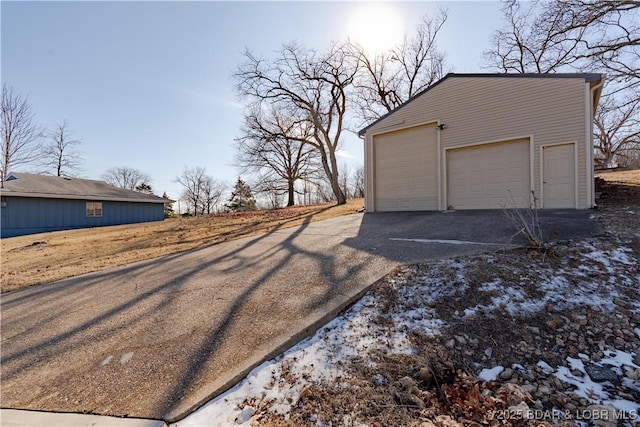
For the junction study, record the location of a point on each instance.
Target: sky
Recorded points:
(149, 84)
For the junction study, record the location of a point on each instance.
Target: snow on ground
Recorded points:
(593, 391)
(278, 383)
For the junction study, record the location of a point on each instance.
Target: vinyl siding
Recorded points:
(481, 110)
(26, 215)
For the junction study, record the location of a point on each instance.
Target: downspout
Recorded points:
(591, 188)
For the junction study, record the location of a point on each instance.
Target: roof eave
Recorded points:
(91, 197)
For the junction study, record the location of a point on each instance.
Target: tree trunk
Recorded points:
(291, 193)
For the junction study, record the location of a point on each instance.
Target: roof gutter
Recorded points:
(91, 197)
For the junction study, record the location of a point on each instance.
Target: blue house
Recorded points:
(38, 203)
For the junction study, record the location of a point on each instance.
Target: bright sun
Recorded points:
(375, 27)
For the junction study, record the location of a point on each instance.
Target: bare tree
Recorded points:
(546, 37)
(201, 192)
(530, 43)
(191, 181)
(617, 129)
(270, 190)
(211, 194)
(607, 33)
(580, 35)
(310, 88)
(59, 156)
(268, 148)
(21, 137)
(126, 177)
(390, 78)
(358, 182)
(345, 179)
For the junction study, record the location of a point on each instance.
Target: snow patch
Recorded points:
(545, 367)
(487, 375)
(593, 391)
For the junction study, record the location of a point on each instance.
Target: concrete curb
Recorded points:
(22, 418)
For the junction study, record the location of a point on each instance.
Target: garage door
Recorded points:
(484, 176)
(406, 169)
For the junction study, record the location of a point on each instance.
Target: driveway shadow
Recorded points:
(419, 236)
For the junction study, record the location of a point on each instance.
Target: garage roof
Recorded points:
(62, 187)
(588, 77)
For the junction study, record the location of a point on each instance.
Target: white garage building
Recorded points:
(478, 141)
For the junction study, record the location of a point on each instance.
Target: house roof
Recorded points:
(58, 187)
(588, 78)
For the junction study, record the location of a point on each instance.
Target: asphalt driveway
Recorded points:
(158, 338)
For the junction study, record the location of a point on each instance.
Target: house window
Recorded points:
(94, 208)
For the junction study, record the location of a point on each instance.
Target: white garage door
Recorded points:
(406, 169)
(487, 176)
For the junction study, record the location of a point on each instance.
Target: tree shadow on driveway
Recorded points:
(158, 338)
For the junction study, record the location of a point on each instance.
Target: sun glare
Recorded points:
(375, 27)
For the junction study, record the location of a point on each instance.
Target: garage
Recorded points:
(486, 176)
(406, 169)
(486, 141)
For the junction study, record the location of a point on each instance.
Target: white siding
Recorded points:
(480, 109)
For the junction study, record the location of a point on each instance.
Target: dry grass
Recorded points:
(42, 258)
(622, 177)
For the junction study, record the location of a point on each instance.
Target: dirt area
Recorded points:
(42, 258)
(522, 337)
(621, 177)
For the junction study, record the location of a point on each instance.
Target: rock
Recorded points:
(245, 415)
(425, 375)
(513, 394)
(570, 407)
(620, 302)
(407, 383)
(636, 359)
(488, 352)
(461, 340)
(506, 374)
(543, 390)
(577, 373)
(451, 344)
(519, 411)
(446, 421)
(529, 388)
(602, 415)
(600, 374)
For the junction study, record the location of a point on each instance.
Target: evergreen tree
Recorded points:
(168, 207)
(241, 199)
